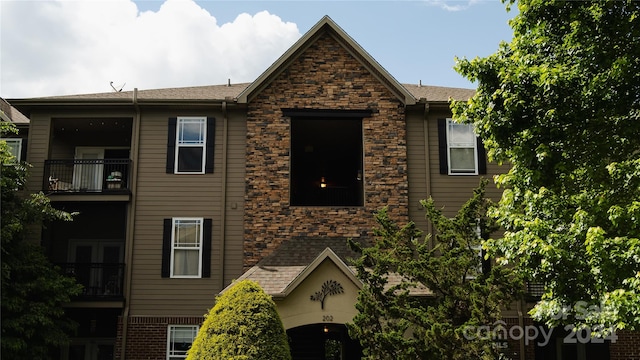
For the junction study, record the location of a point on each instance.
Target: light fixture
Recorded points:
(326, 329)
(323, 183)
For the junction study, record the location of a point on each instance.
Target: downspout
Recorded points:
(135, 146)
(223, 203)
(521, 324)
(427, 160)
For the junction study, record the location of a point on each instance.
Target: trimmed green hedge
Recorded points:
(243, 325)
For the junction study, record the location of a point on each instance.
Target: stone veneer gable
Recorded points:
(325, 76)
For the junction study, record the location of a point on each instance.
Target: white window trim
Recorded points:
(169, 333)
(173, 248)
(15, 140)
(449, 147)
(179, 145)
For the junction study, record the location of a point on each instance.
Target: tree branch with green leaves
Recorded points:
(33, 290)
(560, 103)
(421, 295)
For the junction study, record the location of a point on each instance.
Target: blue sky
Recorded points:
(72, 47)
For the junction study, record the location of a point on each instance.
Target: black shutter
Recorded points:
(206, 248)
(486, 263)
(166, 248)
(482, 157)
(211, 133)
(442, 146)
(171, 145)
(23, 150)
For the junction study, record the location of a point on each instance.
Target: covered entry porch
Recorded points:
(315, 292)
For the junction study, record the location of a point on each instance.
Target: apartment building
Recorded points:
(181, 191)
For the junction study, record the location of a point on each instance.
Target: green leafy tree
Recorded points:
(243, 325)
(396, 320)
(561, 104)
(33, 290)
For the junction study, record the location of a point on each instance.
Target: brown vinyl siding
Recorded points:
(417, 168)
(158, 196)
(38, 148)
(450, 192)
(236, 158)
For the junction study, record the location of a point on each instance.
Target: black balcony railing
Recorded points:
(99, 280)
(87, 176)
(535, 290)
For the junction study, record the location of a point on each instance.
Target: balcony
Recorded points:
(534, 291)
(101, 281)
(87, 176)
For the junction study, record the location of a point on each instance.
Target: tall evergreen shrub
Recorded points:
(243, 325)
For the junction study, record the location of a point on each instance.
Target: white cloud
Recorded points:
(452, 5)
(72, 47)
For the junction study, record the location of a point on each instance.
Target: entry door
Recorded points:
(87, 176)
(97, 266)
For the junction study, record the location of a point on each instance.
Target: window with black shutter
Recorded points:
(190, 145)
(186, 248)
(461, 152)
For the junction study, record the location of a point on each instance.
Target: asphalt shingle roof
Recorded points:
(285, 264)
(301, 251)
(12, 114)
(277, 271)
(231, 91)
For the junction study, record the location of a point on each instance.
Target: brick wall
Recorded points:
(325, 76)
(511, 330)
(147, 336)
(626, 346)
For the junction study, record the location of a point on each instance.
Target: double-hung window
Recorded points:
(186, 249)
(15, 148)
(190, 145)
(461, 144)
(179, 340)
(461, 151)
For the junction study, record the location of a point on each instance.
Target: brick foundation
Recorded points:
(626, 346)
(513, 346)
(147, 336)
